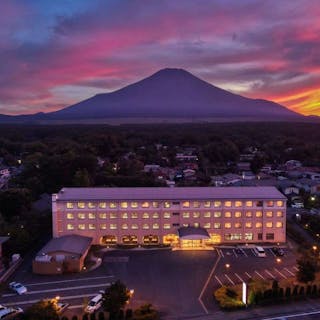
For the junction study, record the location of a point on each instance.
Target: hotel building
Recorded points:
(184, 217)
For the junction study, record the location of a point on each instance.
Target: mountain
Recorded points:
(170, 94)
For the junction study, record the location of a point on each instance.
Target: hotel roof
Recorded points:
(186, 193)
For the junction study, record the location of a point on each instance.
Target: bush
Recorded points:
(301, 291)
(129, 314)
(101, 316)
(314, 291)
(288, 292)
(85, 317)
(225, 301)
(295, 290)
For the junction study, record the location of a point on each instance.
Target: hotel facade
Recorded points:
(191, 217)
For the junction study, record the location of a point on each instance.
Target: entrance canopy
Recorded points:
(193, 233)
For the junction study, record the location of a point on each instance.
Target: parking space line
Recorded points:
(221, 253)
(234, 252)
(295, 268)
(244, 252)
(253, 252)
(239, 277)
(229, 279)
(272, 252)
(291, 273)
(259, 274)
(248, 275)
(281, 274)
(269, 273)
(221, 284)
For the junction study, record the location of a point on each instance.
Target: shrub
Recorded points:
(288, 292)
(92, 316)
(64, 318)
(301, 291)
(281, 293)
(225, 301)
(314, 291)
(129, 314)
(309, 289)
(74, 317)
(101, 316)
(85, 317)
(295, 290)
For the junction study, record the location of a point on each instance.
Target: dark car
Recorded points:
(278, 251)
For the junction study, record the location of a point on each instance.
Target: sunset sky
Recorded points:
(54, 53)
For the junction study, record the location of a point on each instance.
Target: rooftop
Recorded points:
(186, 193)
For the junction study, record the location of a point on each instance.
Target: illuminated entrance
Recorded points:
(193, 238)
(130, 239)
(108, 240)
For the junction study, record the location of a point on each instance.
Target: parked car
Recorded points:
(259, 252)
(10, 313)
(94, 304)
(61, 307)
(18, 287)
(278, 251)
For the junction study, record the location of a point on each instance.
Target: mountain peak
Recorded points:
(172, 72)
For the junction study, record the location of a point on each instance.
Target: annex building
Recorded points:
(189, 217)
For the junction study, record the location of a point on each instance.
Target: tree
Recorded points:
(115, 298)
(306, 270)
(145, 312)
(42, 310)
(81, 178)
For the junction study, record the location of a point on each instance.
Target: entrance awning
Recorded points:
(193, 233)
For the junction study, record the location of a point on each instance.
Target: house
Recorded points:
(308, 185)
(288, 187)
(291, 164)
(5, 172)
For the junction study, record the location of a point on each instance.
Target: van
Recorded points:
(259, 251)
(94, 304)
(8, 313)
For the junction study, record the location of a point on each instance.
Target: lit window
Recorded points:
(269, 214)
(167, 204)
(248, 214)
(155, 204)
(134, 215)
(196, 204)
(92, 226)
(279, 214)
(145, 226)
(258, 224)
(70, 226)
(207, 225)
(124, 215)
(227, 225)
(196, 214)
(124, 205)
(81, 216)
(217, 214)
(69, 205)
(248, 224)
(237, 225)
(112, 205)
(113, 226)
(269, 224)
(81, 226)
(124, 226)
(81, 205)
(217, 225)
(248, 236)
(258, 214)
(103, 226)
(249, 203)
(102, 215)
(134, 204)
(279, 224)
(155, 226)
(91, 215)
(227, 203)
(145, 204)
(166, 215)
(70, 216)
(196, 224)
(186, 204)
(227, 214)
(185, 225)
(145, 215)
(207, 204)
(155, 215)
(237, 214)
(102, 205)
(166, 226)
(279, 203)
(238, 204)
(217, 204)
(113, 215)
(207, 214)
(134, 226)
(186, 214)
(91, 205)
(270, 203)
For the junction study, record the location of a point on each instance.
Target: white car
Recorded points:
(94, 304)
(10, 313)
(18, 287)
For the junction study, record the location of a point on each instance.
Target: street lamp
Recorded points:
(278, 260)
(227, 265)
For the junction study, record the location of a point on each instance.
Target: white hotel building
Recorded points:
(185, 217)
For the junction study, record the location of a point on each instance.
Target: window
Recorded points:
(103, 226)
(270, 203)
(134, 204)
(248, 224)
(69, 205)
(227, 204)
(124, 215)
(217, 204)
(166, 226)
(238, 204)
(237, 214)
(145, 215)
(176, 224)
(81, 205)
(279, 214)
(233, 236)
(145, 226)
(113, 215)
(155, 215)
(207, 214)
(166, 215)
(269, 214)
(91, 215)
(249, 203)
(279, 224)
(176, 213)
(186, 225)
(124, 205)
(91, 205)
(102, 205)
(279, 203)
(145, 204)
(113, 226)
(185, 204)
(70, 226)
(186, 214)
(258, 214)
(112, 205)
(249, 214)
(207, 204)
(102, 215)
(155, 226)
(207, 225)
(155, 204)
(227, 225)
(134, 215)
(167, 204)
(134, 226)
(81, 216)
(70, 216)
(196, 214)
(196, 224)
(81, 226)
(217, 225)
(196, 204)
(259, 203)
(270, 236)
(92, 226)
(258, 224)
(124, 226)
(217, 214)
(175, 203)
(237, 225)
(260, 236)
(248, 236)
(269, 224)
(227, 214)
